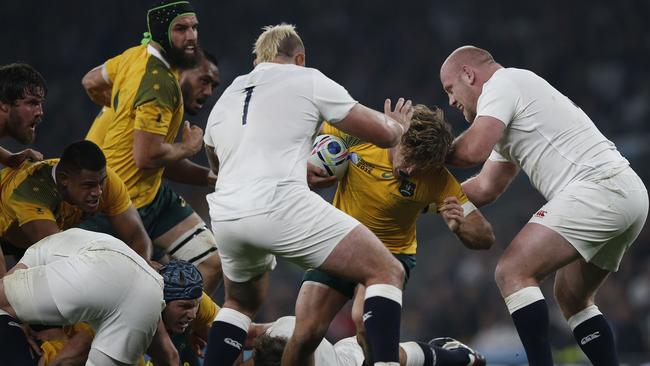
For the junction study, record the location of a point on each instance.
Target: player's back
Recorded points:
(76, 241)
(262, 129)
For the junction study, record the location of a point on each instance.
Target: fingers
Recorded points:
(451, 200)
(387, 106)
(399, 105)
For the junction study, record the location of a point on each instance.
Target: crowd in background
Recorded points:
(594, 52)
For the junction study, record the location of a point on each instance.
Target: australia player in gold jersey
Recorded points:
(41, 198)
(148, 109)
(387, 190)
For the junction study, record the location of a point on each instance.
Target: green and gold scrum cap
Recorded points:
(160, 19)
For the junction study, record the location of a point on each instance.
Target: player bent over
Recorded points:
(76, 276)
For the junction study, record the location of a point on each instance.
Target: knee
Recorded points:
(308, 337)
(501, 276)
(569, 301)
(396, 273)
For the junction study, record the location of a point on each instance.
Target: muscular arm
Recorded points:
(382, 129)
(161, 349)
(491, 181)
(473, 230)
(98, 89)
(187, 172)
(150, 150)
(474, 145)
(129, 228)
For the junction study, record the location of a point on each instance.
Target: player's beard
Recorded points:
(178, 59)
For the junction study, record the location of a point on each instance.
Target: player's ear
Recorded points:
(299, 59)
(4, 107)
(468, 74)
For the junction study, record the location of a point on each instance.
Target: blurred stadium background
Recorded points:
(596, 52)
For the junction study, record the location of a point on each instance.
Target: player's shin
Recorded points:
(530, 315)
(381, 318)
(227, 337)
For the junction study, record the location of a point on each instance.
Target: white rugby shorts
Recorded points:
(601, 219)
(118, 298)
(303, 228)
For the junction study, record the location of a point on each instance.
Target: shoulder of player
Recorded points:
(158, 83)
(36, 185)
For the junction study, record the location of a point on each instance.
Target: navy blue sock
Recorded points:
(381, 317)
(225, 343)
(429, 354)
(596, 339)
(14, 349)
(446, 357)
(532, 324)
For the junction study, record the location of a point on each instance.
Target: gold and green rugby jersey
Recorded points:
(100, 126)
(146, 97)
(389, 207)
(29, 193)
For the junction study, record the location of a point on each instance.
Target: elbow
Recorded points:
(143, 162)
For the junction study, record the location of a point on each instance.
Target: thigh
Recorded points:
(534, 253)
(361, 257)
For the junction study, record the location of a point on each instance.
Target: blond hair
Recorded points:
(280, 39)
(428, 140)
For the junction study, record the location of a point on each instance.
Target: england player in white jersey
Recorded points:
(269, 339)
(597, 205)
(84, 276)
(259, 137)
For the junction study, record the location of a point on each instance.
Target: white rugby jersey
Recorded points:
(262, 128)
(76, 241)
(546, 135)
(324, 355)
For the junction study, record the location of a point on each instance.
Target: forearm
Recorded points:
(164, 155)
(187, 172)
(472, 188)
(461, 154)
(475, 232)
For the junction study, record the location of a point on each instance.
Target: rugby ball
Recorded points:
(331, 154)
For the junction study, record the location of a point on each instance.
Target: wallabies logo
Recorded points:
(406, 188)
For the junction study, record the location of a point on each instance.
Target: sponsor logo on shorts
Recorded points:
(367, 316)
(589, 338)
(541, 213)
(14, 324)
(234, 343)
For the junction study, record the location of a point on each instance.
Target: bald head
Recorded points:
(467, 55)
(463, 74)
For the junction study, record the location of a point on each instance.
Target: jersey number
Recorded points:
(249, 94)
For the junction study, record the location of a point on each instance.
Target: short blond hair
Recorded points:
(281, 39)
